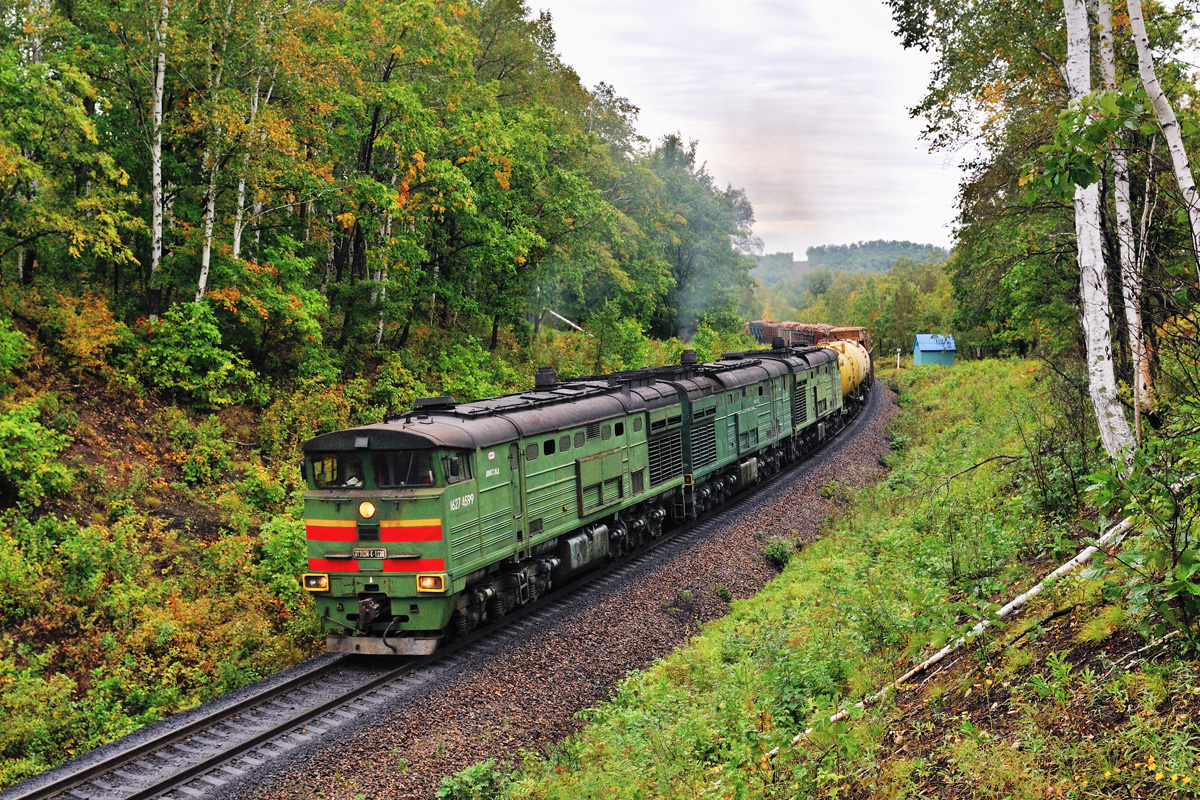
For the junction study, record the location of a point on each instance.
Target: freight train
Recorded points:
(433, 522)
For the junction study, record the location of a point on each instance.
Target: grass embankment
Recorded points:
(909, 564)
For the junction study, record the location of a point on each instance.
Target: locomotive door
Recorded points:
(516, 476)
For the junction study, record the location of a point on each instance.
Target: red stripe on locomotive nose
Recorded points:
(424, 533)
(414, 565)
(333, 565)
(320, 533)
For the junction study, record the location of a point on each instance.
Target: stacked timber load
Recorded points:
(855, 334)
(807, 334)
(804, 333)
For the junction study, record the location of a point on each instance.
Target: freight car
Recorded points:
(432, 522)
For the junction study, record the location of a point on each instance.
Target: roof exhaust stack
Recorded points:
(777, 343)
(545, 378)
(688, 358)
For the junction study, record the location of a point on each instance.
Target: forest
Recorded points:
(314, 180)
(229, 225)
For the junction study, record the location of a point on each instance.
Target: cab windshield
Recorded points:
(338, 471)
(403, 468)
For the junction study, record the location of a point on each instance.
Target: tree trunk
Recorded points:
(1170, 126)
(210, 213)
(212, 151)
(240, 207)
(239, 218)
(407, 328)
(331, 250)
(1131, 272)
(1093, 280)
(156, 124)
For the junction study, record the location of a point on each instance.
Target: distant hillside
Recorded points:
(774, 267)
(876, 256)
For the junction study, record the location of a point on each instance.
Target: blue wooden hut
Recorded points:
(933, 348)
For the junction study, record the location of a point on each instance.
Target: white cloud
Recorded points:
(803, 104)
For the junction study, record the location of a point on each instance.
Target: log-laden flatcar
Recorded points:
(432, 522)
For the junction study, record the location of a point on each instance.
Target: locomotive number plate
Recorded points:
(369, 552)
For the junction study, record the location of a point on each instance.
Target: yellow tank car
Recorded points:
(855, 365)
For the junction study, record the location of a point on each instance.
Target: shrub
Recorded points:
(87, 330)
(284, 559)
(202, 451)
(480, 781)
(722, 591)
(314, 408)
(14, 347)
(778, 552)
(30, 467)
(261, 490)
(183, 356)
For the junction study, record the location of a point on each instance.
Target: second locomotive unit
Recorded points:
(435, 521)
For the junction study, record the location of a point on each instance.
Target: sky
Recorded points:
(803, 104)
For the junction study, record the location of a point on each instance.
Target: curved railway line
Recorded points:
(195, 754)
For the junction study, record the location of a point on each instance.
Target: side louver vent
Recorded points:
(666, 457)
(800, 404)
(704, 445)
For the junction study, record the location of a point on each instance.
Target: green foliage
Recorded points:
(481, 781)
(1086, 133)
(874, 256)
(294, 417)
(14, 348)
(30, 465)
(1158, 570)
(182, 354)
(205, 451)
(778, 552)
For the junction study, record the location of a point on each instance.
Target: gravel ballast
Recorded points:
(525, 694)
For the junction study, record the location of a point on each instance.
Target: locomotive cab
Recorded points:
(377, 552)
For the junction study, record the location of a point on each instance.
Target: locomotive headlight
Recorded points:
(431, 583)
(316, 582)
(366, 509)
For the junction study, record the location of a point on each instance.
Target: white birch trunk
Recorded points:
(156, 125)
(212, 151)
(240, 212)
(1131, 273)
(39, 11)
(1093, 278)
(1172, 134)
(381, 279)
(210, 213)
(329, 254)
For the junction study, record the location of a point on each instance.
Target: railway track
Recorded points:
(198, 753)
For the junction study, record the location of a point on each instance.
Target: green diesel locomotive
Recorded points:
(435, 521)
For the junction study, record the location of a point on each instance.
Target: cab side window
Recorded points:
(460, 460)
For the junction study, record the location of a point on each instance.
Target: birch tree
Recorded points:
(218, 44)
(156, 136)
(1127, 257)
(1172, 134)
(1093, 277)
